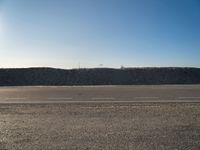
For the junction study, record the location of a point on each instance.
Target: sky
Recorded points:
(99, 33)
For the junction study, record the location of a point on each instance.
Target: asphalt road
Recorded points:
(100, 94)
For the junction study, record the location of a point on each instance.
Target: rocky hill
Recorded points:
(99, 76)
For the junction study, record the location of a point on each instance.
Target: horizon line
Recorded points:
(122, 67)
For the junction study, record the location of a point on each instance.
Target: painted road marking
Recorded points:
(103, 98)
(14, 98)
(66, 102)
(146, 97)
(188, 97)
(59, 98)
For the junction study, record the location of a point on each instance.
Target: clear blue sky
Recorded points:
(133, 33)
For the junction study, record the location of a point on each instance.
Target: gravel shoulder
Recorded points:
(104, 126)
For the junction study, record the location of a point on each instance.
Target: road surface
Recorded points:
(100, 94)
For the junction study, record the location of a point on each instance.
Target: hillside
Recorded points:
(99, 76)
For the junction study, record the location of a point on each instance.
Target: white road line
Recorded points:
(103, 98)
(69, 102)
(15, 98)
(188, 97)
(59, 98)
(146, 97)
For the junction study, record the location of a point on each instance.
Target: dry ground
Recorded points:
(137, 126)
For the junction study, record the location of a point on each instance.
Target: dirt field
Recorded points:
(137, 126)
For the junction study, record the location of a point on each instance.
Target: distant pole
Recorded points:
(79, 65)
(122, 67)
(101, 65)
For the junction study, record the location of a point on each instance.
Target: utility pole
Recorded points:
(79, 65)
(101, 65)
